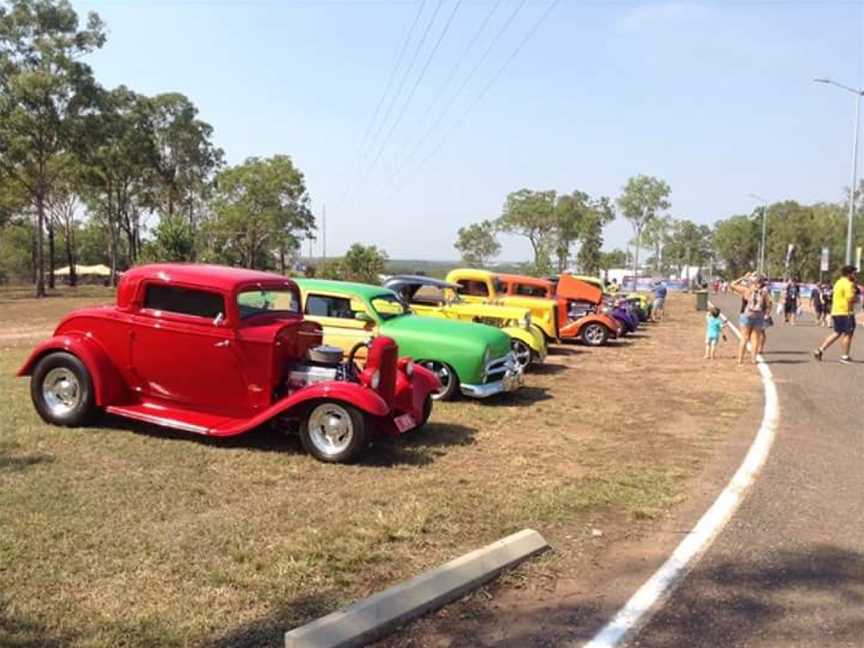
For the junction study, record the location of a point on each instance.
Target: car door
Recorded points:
(183, 351)
(346, 321)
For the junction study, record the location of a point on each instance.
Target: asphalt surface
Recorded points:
(788, 570)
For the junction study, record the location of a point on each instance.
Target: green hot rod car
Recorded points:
(472, 358)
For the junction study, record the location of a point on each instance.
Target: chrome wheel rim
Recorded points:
(61, 391)
(522, 352)
(594, 334)
(444, 375)
(331, 429)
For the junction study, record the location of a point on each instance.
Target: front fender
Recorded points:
(534, 339)
(351, 393)
(108, 384)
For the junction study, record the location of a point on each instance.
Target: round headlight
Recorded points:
(375, 381)
(409, 368)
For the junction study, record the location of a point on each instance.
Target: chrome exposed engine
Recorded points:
(323, 363)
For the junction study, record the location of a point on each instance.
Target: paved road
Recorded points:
(788, 570)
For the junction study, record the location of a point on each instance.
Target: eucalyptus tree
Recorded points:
(46, 95)
(260, 213)
(186, 157)
(642, 198)
(119, 168)
(532, 214)
(477, 243)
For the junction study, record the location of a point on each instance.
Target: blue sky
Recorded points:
(715, 98)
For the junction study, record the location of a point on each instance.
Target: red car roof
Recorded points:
(215, 276)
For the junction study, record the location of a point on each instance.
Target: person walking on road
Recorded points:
(757, 305)
(816, 304)
(659, 301)
(790, 302)
(842, 314)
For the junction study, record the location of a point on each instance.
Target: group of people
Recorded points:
(830, 303)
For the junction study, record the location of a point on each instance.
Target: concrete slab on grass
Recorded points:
(375, 616)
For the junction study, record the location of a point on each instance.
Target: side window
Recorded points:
(185, 301)
(530, 291)
(329, 306)
(473, 288)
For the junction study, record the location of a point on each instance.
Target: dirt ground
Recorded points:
(128, 534)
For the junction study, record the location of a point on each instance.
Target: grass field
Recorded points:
(125, 534)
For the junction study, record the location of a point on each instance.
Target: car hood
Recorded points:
(571, 288)
(446, 332)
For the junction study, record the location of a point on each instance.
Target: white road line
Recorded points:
(643, 603)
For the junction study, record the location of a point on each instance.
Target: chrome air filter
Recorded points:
(325, 355)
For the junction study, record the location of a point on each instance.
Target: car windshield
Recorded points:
(389, 306)
(255, 302)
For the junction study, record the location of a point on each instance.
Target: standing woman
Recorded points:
(752, 319)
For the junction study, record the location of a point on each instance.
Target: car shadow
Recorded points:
(415, 448)
(524, 396)
(547, 369)
(419, 447)
(564, 349)
(17, 464)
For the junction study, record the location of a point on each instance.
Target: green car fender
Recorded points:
(462, 345)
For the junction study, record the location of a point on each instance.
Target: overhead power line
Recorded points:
(387, 87)
(477, 65)
(530, 34)
(419, 79)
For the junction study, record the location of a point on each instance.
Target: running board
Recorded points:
(173, 417)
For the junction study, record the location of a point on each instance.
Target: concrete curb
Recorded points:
(373, 617)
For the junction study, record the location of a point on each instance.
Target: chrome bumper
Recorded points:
(511, 381)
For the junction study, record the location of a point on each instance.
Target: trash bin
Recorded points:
(701, 300)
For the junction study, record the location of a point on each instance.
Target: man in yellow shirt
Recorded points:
(842, 314)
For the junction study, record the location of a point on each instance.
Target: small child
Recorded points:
(716, 323)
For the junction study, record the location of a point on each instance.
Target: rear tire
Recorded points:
(595, 334)
(334, 432)
(62, 390)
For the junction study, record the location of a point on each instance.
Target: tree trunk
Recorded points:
(282, 259)
(40, 241)
(51, 264)
(636, 258)
(70, 258)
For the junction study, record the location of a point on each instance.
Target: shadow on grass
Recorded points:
(810, 596)
(22, 632)
(415, 448)
(548, 369)
(270, 630)
(17, 464)
(564, 349)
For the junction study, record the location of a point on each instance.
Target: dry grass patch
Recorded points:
(126, 534)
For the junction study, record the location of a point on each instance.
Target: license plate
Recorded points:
(405, 422)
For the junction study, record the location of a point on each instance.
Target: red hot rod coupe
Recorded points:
(220, 351)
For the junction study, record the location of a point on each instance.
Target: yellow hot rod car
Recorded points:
(482, 286)
(435, 298)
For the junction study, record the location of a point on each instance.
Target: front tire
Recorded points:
(595, 334)
(447, 376)
(427, 411)
(62, 390)
(522, 352)
(334, 432)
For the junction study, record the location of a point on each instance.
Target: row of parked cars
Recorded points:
(221, 351)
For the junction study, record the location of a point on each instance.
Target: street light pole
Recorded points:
(849, 226)
(764, 231)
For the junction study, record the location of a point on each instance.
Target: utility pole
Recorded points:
(858, 94)
(764, 231)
